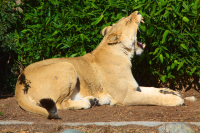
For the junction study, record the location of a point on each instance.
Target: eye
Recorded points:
(137, 13)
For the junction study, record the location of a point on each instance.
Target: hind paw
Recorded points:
(94, 102)
(169, 91)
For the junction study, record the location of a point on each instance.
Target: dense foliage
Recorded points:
(67, 28)
(8, 21)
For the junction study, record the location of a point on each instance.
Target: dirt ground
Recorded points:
(10, 110)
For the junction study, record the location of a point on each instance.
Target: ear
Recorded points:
(105, 30)
(114, 37)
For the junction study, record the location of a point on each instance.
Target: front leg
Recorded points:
(153, 96)
(83, 103)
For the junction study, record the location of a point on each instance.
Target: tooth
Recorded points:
(142, 21)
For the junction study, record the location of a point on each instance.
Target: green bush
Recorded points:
(7, 24)
(172, 35)
(8, 21)
(66, 28)
(51, 29)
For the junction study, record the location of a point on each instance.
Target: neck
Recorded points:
(127, 48)
(112, 53)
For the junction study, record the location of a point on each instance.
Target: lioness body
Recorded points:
(100, 77)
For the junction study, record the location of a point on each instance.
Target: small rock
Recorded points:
(72, 131)
(175, 128)
(192, 99)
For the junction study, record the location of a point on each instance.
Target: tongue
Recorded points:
(141, 45)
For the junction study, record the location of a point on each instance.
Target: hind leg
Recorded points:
(76, 101)
(153, 96)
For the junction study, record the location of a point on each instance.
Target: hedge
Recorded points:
(67, 28)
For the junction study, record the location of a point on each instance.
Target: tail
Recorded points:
(47, 107)
(50, 106)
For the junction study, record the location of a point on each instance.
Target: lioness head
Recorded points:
(124, 32)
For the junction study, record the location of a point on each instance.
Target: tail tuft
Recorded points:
(50, 106)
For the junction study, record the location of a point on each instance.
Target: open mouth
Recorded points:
(139, 43)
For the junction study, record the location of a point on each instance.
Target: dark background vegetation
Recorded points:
(46, 29)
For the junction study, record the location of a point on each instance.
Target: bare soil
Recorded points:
(10, 110)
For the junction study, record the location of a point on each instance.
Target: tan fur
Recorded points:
(104, 74)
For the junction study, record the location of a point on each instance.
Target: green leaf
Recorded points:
(185, 19)
(156, 50)
(37, 57)
(164, 3)
(55, 32)
(175, 62)
(65, 46)
(59, 45)
(165, 35)
(168, 68)
(175, 10)
(73, 55)
(96, 7)
(161, 58)
(167, 55)
(160, 5)
(180, 65)
(170, 76)
(147, 6)
(98, 20)
(196, 4)
(193, 70)
(24, 31)
(193, 49)
(185, 47)
(26, 49)
(57, 25)
(162, 78)
(154, 9)
(189, 61)
(157, 13)
(16, 34)
(172, 65)
(110, 2)
(48, 20)
(185, 6)
(136, 7)
(82, 37)
(164, 48)
(166, 14)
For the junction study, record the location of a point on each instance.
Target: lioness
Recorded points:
(97, 78)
